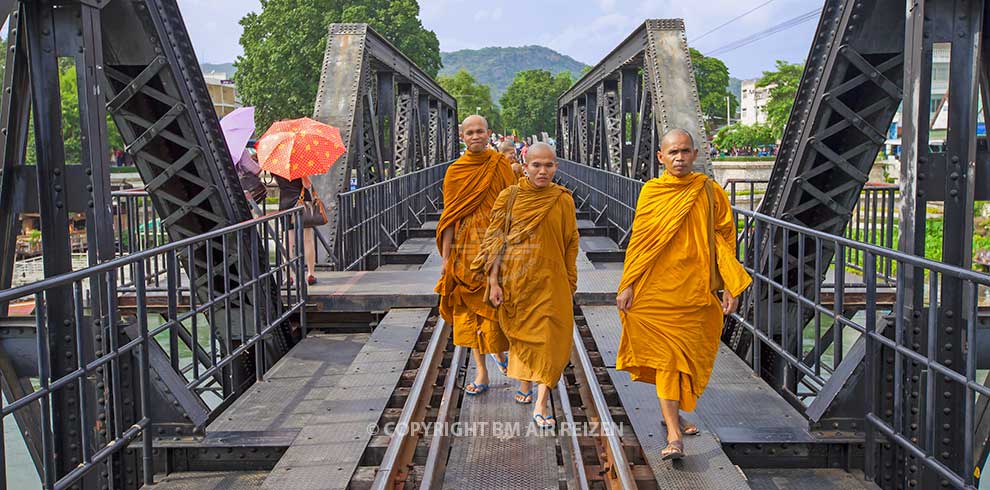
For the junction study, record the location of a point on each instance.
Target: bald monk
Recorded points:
(509, 150)
(470, 187)
(671, 320)
(532, 276)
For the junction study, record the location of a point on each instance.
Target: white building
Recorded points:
(753, 106)
(223, 92)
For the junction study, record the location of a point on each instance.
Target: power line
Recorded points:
(787, 24)
(744, 14)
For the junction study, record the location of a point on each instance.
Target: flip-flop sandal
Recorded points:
(687, 429)
(541, 421)
(476, 390)
(525, 395)
(674, 451)
(503, 366)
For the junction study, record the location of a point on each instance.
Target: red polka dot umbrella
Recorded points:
(299, 147)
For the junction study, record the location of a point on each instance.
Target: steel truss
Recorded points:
(134, 60)
(866, 58)
(613, 117)
(393, 117)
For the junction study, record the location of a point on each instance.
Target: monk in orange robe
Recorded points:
(509, 150)
(470, 187)
(532, 274)
(671, 320)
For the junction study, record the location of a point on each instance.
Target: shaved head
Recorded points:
(475, 133)
(676, 133)
(541, 149)
(506, 146)
(541, 164)
(677, 152)
(474, 119)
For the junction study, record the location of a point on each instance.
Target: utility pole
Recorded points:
(728, 111)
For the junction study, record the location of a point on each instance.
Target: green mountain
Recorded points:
(496, 67)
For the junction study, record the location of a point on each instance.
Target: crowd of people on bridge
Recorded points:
(509, 241)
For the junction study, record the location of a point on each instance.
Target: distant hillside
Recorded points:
(496, 67)
(227, 68)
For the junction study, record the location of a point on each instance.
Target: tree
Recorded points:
(471, 96)
(785, 80)
(712, 78)
(71, 123)
(743, 136)
(284, 45)
(529, 105)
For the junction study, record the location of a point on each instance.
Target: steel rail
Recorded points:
(572, 447)
(436, 458)
(402, 445)
(585, 373)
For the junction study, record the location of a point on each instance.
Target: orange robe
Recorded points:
(670, 335)
(537, 313)
(470, 187)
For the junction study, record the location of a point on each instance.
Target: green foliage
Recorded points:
(284, 45)
(743, 159)
(470, 96)
(496, 67)
(744, 136)
(787, 76)
(71, 123)
(530, 103)
(712, 78)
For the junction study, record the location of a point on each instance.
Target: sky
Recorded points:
(586, 30)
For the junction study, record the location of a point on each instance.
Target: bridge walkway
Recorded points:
(319, 401)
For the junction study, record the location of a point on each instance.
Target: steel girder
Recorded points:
(652, 66)
(393, 118)
(848, 94)
(134, 60)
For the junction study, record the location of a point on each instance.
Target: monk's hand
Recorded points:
(624, 299)
(729, 303)
(495, 294)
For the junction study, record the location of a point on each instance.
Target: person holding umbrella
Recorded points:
(292, 151)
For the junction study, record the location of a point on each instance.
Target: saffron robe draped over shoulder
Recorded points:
(670, 335)
(470, 187)
(538, 275)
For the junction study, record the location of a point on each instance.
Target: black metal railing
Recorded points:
(137, 227)
(376, 219)
(873, 221)
(611, 198)
(815, 328)
(211, 312)
(745, 193)
(825, 330)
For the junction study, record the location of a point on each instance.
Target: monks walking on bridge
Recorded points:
(470, 187)
(529, 256)
(680, 278)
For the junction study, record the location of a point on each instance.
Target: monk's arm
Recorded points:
(572, 241)
(446, 239)
(735, 276)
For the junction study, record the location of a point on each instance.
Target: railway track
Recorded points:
(594, 446)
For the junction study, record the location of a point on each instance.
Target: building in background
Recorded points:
(223, 92)
(753, 102)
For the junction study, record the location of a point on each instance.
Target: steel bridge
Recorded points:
(185, 357)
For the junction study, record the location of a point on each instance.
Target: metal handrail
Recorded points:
(264, 289)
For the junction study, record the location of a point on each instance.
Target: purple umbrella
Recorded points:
(238, 126)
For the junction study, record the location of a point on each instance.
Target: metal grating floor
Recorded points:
(294, 388)
(706, 465)
(522, 458)
(326, 452)
(807, 479)
(211, 480)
